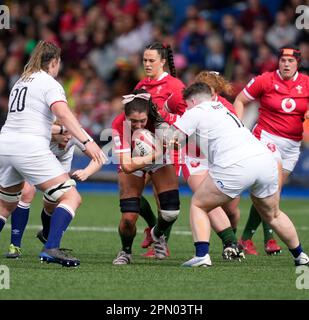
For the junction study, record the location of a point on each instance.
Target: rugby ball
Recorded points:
(143, 142)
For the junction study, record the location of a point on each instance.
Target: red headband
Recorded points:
(290, 52)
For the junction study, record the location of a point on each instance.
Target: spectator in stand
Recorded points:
(265, 60)
(254, 11)
(282, 33)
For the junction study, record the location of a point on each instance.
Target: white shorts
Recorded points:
(285, 150)
(66, 159)
(193, 166)
(33, 169)
(259, 173)
(151, 169)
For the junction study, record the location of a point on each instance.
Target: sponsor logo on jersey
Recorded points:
(288, 104)
(299, 89)
(276, 87)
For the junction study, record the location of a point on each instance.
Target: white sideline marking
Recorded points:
(112, 229)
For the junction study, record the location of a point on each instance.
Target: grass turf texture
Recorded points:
(258, 277)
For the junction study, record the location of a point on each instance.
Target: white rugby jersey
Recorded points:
(65, 154)
(221, 135)
(29, 116)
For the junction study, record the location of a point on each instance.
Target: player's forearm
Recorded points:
(133, 164)
(93, 167)
(168, 117)
(66, 117)
(239, 108)
(239, 104)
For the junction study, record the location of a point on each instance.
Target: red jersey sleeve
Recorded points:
(121, 135)
(167, 95)
(174, 106)
(254, 88)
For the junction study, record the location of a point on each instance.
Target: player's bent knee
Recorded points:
(169, 204)
(11, 197)
(130, 205)
(28, 193)
(54, 193)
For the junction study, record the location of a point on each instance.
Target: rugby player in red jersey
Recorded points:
(283, 96)
(140, 113)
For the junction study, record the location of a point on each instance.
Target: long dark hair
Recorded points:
(141, 105)
(165, 51)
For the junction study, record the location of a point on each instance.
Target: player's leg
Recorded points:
(269, 210)
(254, 220)
(11, 185)
(19, 220)
(233, 212)
(265, 195)
(49, 205)
(166, 184)
(61, 190)
(206, 198)
(131, 187)
(289, 154)
(9, 198)
(271, 246)
(46, 213)
(218, 218)
(147, 214)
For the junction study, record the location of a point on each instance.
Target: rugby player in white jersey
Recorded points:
(35, 100)
(237, 161)
(62, 146)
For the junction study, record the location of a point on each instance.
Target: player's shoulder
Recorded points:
(141, 83)
(175, 82)
(118, 121)
(302, 77)
(46, 80)
(266, 76)
(261, 81)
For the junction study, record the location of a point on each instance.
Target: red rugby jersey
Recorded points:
(283, 103)
(166, 93)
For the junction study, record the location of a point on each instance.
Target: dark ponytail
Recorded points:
(165, 51)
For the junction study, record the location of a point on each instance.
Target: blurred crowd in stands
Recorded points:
(102, 43)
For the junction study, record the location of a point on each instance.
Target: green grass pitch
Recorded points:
(94, 238)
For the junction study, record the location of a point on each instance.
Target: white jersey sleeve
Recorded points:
(55, 94)
(188, 122)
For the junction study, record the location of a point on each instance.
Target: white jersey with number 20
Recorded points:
(29, 120)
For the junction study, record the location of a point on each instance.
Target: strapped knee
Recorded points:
(54, 193)
(130, 205)
(10, 196)
(169, 204)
